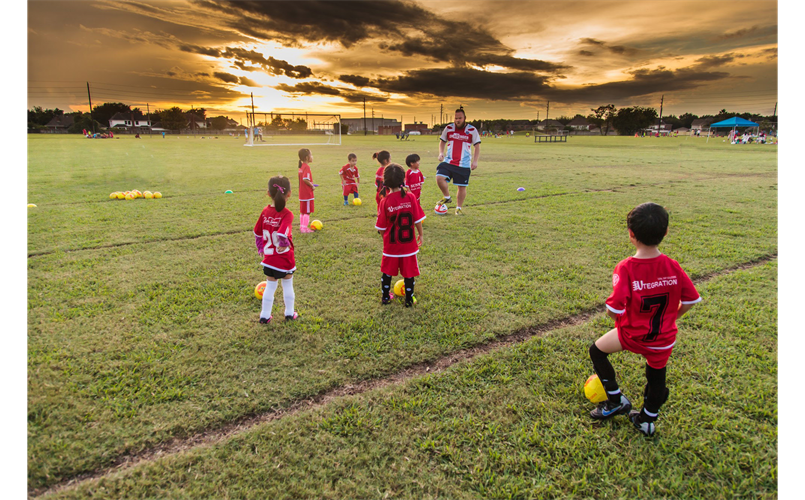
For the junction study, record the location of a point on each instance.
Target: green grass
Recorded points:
(513, 424)
(142, 322)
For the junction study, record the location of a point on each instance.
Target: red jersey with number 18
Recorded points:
(646, 294)
(396, 216)
(268, 226)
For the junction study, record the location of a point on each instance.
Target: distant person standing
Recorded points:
(457, 164)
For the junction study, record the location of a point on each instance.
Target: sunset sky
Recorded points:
(499, 59)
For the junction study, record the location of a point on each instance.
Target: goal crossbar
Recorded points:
(293, 129)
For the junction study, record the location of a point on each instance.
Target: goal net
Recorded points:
(293, 129)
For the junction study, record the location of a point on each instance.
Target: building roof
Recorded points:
(127, 116)
(552, 123)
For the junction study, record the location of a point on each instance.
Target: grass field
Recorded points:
(143, 326)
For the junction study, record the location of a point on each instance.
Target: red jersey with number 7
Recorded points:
(396, 216)
(270, 224)
(646, 294)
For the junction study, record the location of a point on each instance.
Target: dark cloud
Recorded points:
(739, 33)
(586, 53)
(390, 22)
(201, 73)
(196, 49)
(615, 49)
(268, 64)
(715, 61)
(310, 88)
(226, 77)
(465, 82)
(358, 81)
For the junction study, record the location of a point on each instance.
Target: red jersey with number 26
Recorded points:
(646, 294)
(268, 226)
(396, 217)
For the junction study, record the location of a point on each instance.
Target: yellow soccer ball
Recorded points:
(148, 195)
(137, 194)
(157, 195)
(259, 289)
(130, 195)
(357, 202)
(594, 389)
(316, 225)
(121, 195)
(399, 288)
(113, 196)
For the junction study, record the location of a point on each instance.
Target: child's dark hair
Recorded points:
(394, 177)
(278, 188)
(648, 222)
(303, 154)
(382, 156)
(413, 158)
(352, 156)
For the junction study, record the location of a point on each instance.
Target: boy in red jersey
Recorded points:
(272, 235)
(397, 216)
(649, 292)
(306, 188)
(413, 177)
(350, 177)
(383, 158)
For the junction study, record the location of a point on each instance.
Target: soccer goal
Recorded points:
(293, 129)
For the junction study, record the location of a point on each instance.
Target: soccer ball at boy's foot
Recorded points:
(316, 225)
(357, 202)
(594, 389)
(259, 289)
(399, 288)
(440, 209)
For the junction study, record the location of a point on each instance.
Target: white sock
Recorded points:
(288, 295)
(268, 299)
(458, 208)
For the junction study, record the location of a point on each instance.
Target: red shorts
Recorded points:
(408, 266)
(306, 207)
(350, 188)
(656, 358)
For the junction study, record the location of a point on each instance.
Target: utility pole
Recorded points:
(441, 113)
(548, 110)
(150, 125)
(373, 120)
(364, 116)
(659, 123)
(252, 134)
(89, 96)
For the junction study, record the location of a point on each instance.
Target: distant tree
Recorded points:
(602, 117)
(219, 122)
(82, 121)
(173, 118)
(686, 119)
(107, 110)
(298, 125)
(564, 120)
(629, 121)
(38, 117)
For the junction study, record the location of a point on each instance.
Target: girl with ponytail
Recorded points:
(272, 235)
(306, 188)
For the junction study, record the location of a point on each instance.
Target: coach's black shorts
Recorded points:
(273, 273)
(459, 175)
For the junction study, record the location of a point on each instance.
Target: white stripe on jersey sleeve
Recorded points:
(616, 311)
(692, 301)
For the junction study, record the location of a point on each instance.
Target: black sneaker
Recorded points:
(265, 321)
(293, 317)
(647, 428)
(411, 302)
(386, 302)
(607, 410)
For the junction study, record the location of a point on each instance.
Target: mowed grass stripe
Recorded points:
(521, 199)
(510, 423)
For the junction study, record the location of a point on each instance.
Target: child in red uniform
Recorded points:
(305, 190)
(413, 177)
(649, 292)
(272, 235)
(383, 158)
(397, 216)
(350, 177)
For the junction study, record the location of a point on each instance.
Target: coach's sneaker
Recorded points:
(445, 200)
(647, 428)
(265, 321)
(459, 211)
(606, 409)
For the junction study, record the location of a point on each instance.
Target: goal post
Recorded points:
(293, 129)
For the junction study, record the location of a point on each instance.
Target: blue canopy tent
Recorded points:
(732, 123)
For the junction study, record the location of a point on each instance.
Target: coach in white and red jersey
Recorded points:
(458, 163)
